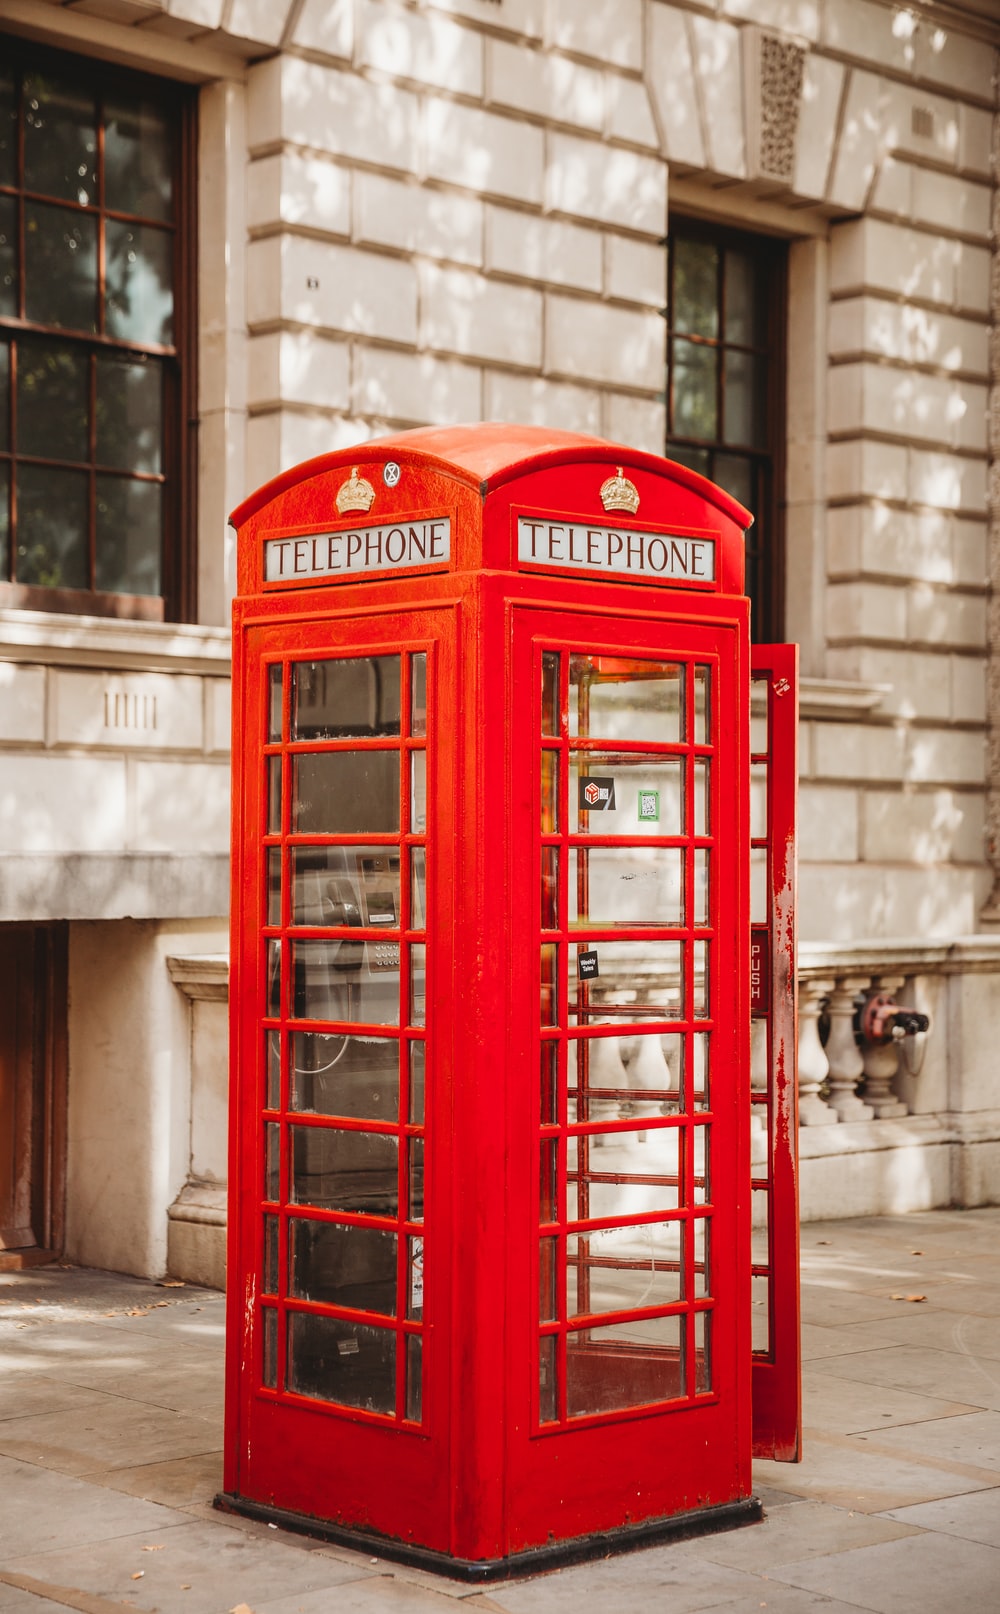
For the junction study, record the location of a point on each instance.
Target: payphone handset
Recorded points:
(366, 895)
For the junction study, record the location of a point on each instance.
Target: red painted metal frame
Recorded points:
(479, 1480)
(777, 1378)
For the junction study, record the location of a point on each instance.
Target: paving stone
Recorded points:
(111, 1436)
(780, 1538)
(821, 1304)
(975, 1517)
(869, 1406)
(909, 1367)
(177, 1484)
(659, 1577)
(973, 1440)
(365, 1596)
(22, 1396)
(867, 1479)
(42, 1510)
(947, 1575)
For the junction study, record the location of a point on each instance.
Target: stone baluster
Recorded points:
(842, 1052)
(813, 1066)
(881, 1062)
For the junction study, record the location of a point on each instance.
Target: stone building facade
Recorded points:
(401, 212)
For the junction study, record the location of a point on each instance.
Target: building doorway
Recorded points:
(32, 1093)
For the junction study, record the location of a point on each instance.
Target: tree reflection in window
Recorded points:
(90, 379)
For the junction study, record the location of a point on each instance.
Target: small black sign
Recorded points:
(597, 795)
(586, 964)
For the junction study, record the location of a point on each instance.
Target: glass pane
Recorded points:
(351, 1364)
(736, 475)
(4, 523)
(550, 692)
(270, 1362)
(418, 694)
(760, 1253)
(344, 698)
(700, 1092)
(695, 395)
(549, 1090)
(129, 535)
(696, 287)
(418, 888)
(702, 796)
(60, 139)
(701, 1231)
(273, 964)
(744, 400)
(758, 800)
(550, 985)
(614, 698)
(4, 395)
(758, 886)
(274, 701)
(418, 985)
(414, 1372)
(550, 793)
(702, 705)
(547, 1202)
(623, 1078)
(52, 527)
(417, 1079)
(418, 792)
(633, 980)
(701, 984)
(626, 885)
(354, 1267)
(352, 981)
(624, 1365)
(758, 716)
(345, 1171)
(130, 414)
(701, 886)
(702, 1173)
(550, 887)
(547, 1311)
(702, 1352)
(415, 1290)
(137, 158)
(416, 1180)
(53, 401)
(646, 795)
(270, 1281)
(760, 1322)
(8, 256)
(623, 1268)
(60, 265)
(547, 1400)
(597, 1162)
(272, 1167)
(744, 304)
(343, 1075)
(273, 861)
(346, 885)
(274, 795)
(138, 294)
(697, 459)
(8, 127)
(273, 1096)
(346, 793)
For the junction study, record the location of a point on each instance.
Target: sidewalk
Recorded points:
(111, 1429)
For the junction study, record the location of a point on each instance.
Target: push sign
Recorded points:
(597, 795)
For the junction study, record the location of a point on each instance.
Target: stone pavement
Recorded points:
(111, 1427)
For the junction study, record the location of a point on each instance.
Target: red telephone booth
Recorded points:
(503, 1286)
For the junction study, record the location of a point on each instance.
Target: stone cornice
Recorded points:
(93, 641)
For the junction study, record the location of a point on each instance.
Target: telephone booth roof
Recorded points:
(487, 454)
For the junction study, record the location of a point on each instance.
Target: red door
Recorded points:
(777, 1378)
(332, 1344)
(629, 1342)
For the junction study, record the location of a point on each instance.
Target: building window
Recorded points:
(94, 322)
(725, 385)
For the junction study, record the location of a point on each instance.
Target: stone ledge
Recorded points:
(201, 976)
(114, 886)
(98, 641)
(963, 955)
(839, 698)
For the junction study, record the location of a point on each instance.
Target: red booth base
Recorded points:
(555, 1555)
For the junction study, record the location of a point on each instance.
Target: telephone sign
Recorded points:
(490, 1301)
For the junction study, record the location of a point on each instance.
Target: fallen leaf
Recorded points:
(241, 1608)
(138, 1574)
(158, 1548)
(170, 1283)
(914, 1297)
(137, 1312)
(916, 1252)
(822, 1241)
(185, 1585)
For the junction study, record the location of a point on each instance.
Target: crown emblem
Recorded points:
(618, 493)
(355, 493)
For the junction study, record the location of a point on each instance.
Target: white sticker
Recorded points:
(391, 474)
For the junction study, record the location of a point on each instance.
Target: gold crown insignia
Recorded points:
(355, 493)
(618, 493)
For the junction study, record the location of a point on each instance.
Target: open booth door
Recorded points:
(777, 1369)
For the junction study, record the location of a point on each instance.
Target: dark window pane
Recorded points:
(52, 400)
(129, 413)
(346, 793)
(745, 314)
(744, 400)
(8, 127)
(129, 535)
(696, 459)
(696, 287)
(345, 1171)
(351, 1364)
(4, 523)
(335, 699)
(8, 256)
(60, 139)
(4, 395)
(353, 981)
(60, 255)
(52, 527)
(139, 297)
(136, 159)
(335, 1074)
(735, 474)
(343, 1266)
(694, 392)
(624, 1365)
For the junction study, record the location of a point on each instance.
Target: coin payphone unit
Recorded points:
(512, 1244)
